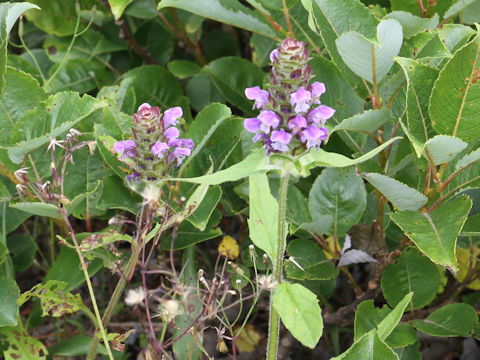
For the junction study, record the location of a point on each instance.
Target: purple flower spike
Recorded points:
(260, 96)
(184, 143)
(297, 123)
(274, 55)
(134, 176)
(159, 149)
(269, 120)
(179, 154)
(127, 148)
(318, 89)
(171, 115)
(320, 114)
(314, 135)
(171, 133)
(146, 111)
(252, 124)
(280, 140)
(301, 99)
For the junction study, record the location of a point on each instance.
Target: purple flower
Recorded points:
(274, 55)
(147, 112)
(260, 96)
(134, 176)
(301, 99)
(179, 154)
(269, 120)
(313, 136)
(252, 124)
(297, 123)
(171, 115)
(320, 114)
(318, 89)
(280, 140)
(127, 148)
(159, 149)
(171, 133)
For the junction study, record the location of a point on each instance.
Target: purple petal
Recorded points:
(179, 154)
(301, 99)
(321, 114)
(274, 55)
(185, 143)
(252, 124)
(269, 120)
(260, 96)
(297, 122)
(281, 136)
(159, 149)
(171, 115)
(314, 135)
(127, 148)
(171, 133)
(318, 89)
(134, 176)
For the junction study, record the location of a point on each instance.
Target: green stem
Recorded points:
(274, 321)
(7, 267)
(117, 293)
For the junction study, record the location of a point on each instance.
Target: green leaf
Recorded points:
(118, 6)
(368, 60)
(263, 220)
(225, 11)
(338, 194)
(22, 250)
(74, 346)
(400, 195)
(183, 69)
(261, 46)
(9, 293)
(403, 335)
(232, 85)
(201, 91)
(314, 264)
(22, 92)
(112, 186)
(443, 148)
(388, 324)
(368, 121)
(411, 352)
(456, 7)
(5, 194)
(300, 313)
(30, 349)
(412, 273)
(471, 14)
(468, 159)
(3, 253)
(454, 109)
(412, 24)
(50, 119)
(38, 208)
(450, 320)
(369, 346)
(435, 233)
(199, 218)
(420, 79)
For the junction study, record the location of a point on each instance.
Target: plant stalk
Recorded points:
(274, 320)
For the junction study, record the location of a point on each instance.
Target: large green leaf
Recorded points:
(454, 109)
(388, 324)
(314, 265)
(370, 347)
(22, 92)
(9, 293)
(199, 218)
(300, 313)
(50, 119)
(420, 79)
(263, 220)
(412, 24)
(443, 148)
(9, 13)
(30, 349)
(367, 59)
(232, 84)
(457, 6)
(400, 195)
(368, 121)
(225, 11)
(435, 233)
(412, 273)
(339, 195)
(38, 208)
(451, 320)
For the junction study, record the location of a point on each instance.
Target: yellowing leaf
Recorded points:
(464, 257)
(248, 339)
(229, 247)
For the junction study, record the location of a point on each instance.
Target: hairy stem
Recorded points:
(274, 320)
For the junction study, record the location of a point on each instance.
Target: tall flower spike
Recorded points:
(156, 145)
(291, 114)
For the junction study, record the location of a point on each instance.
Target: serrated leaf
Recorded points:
(468, 159)
(263, 220)
(9, 293)
(367, 59)
(454, 109)
(368, 121)
(312, 260)
(402, 196)
(225, 11)
(420, 80)
(369, 345)
(444, 148)
(435, 233)
(450, 320)
(300, 313)
(457, 6)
